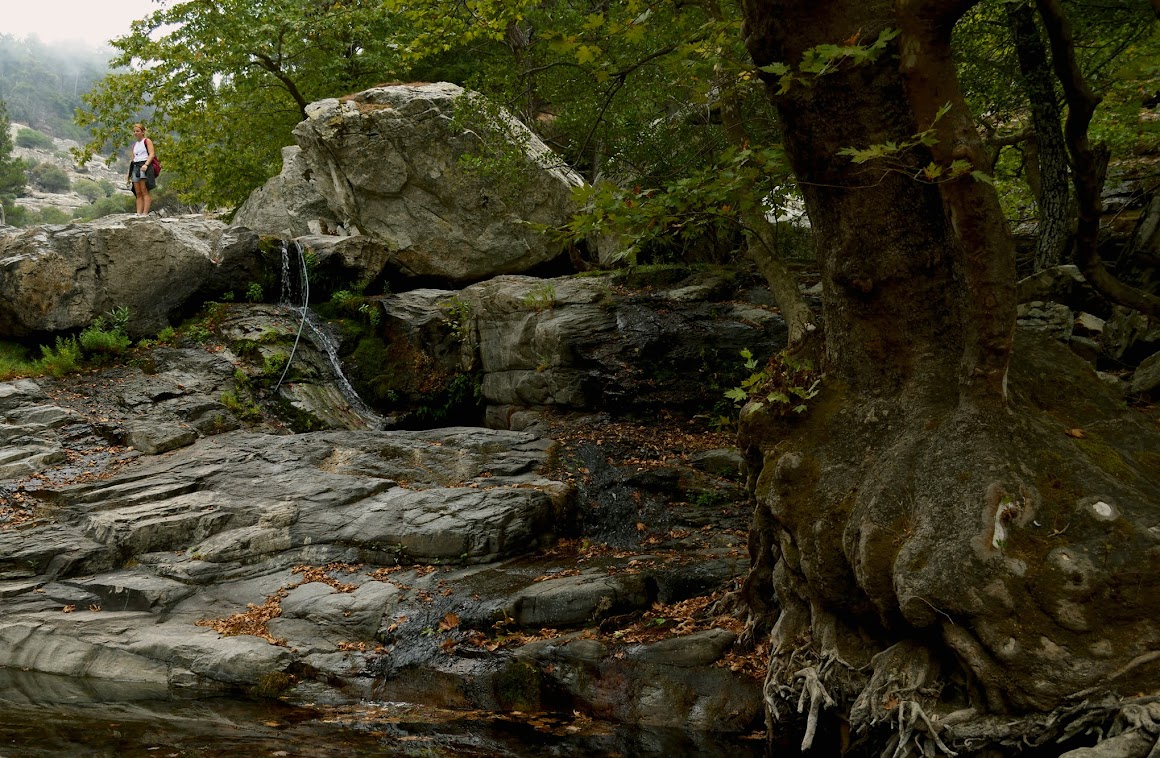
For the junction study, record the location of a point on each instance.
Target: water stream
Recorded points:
(43, 715)
(297, 288)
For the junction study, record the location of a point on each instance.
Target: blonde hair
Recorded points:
(143, 129)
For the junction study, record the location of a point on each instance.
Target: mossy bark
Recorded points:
(946, 535)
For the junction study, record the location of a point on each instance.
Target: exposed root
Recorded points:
(898, 706)
(806, 684)
(818, 695)
(915, 728)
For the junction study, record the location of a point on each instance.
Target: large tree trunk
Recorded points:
(936, 539)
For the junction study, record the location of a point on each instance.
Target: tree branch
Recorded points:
(1089, 164)
(269, 65)
(621, 78)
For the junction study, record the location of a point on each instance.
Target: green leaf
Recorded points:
(737, 395)
(587, 53)
(960, 167)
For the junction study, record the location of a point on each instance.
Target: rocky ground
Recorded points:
(586, 567)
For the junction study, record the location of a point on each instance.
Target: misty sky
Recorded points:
(92, 22)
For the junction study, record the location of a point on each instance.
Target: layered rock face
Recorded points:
(58, 278)
(387, 160)
(587, 343)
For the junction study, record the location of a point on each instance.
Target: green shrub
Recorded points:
(342, 298)
(49, 178)
(88, 189)
(32, 138)
(785, 385)
(14, 362)
(541, 297)
(198, 333)
(49, 216)
(273, 365)
(105, 206)
(246, 410)
(105, 341)
(254, 292)
(457, 316)
(16, 215)
(65, 359)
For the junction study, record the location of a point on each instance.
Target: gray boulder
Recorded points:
(388, 163)
(1147, 376)
(287, 204)
(62, 277)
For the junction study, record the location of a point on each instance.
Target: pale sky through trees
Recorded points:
(92, 22)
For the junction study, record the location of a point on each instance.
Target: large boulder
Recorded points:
(287, 204)
(388, 162)
(57, 278)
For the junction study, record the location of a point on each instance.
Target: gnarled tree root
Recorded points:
(908, 721)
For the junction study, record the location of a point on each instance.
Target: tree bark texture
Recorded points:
(893, 313)
(1053, 193)
(938, 540)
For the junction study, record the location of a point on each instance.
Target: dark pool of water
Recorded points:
(50, 716)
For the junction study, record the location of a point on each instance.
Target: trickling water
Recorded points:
(323, 340)
(320, 336)
(285, 293)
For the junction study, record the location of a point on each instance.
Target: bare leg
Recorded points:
(141, 194)
(148, 198)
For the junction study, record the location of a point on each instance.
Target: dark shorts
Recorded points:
(139, 170)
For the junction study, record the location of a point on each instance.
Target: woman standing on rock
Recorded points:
(141, 175)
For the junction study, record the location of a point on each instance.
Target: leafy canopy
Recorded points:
(223, 82)
(634, 95)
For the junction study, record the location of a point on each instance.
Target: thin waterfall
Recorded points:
(319, 335)
(285, 294)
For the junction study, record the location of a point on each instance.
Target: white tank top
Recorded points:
(140, 152)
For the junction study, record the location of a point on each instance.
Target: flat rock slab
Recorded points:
(459, 494)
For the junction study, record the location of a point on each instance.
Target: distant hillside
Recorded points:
(36, 200)
(42, 84)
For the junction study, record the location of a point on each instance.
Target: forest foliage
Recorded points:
(655, 101)
(42, 84)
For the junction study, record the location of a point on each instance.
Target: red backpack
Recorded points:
(156, 164)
